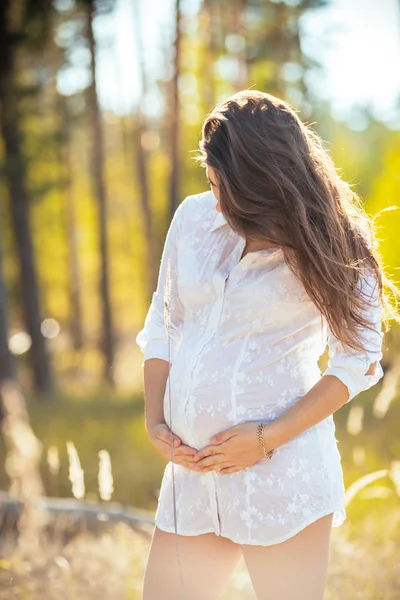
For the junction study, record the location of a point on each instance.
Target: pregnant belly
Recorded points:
(212, 410)
(213, 407)
(247, 386)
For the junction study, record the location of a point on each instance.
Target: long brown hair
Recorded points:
(277, 182)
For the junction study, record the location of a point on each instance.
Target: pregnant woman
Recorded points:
(257, 276)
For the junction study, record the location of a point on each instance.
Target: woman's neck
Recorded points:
(258, 245)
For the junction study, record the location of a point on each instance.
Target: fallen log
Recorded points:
(76, 515)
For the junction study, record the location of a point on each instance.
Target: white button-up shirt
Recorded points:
(244, 340)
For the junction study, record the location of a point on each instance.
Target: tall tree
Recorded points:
(209, 36)
(142, 167)
(71, 227)
(6, 363)
(99, 186)
(236, 42)
(174, 116)
(11, 33)
(263, 41)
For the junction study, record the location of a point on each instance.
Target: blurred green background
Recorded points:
(101, 104)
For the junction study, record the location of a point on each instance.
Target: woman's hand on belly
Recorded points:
(233, 450)
(160, 437)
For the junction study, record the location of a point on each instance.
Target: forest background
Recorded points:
(101, 105)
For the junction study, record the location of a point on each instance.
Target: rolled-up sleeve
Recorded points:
(152, 339)
(351, 367)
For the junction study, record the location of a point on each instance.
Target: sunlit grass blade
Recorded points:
(53, 460)
(394, 473)
(76, 474)
(355, 420)
(105, 478)
(361, 483)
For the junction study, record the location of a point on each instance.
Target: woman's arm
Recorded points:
(159, 344)
(237, 448)
(155, 374)
(163, 439)
(153, 339)
(322, 400)
(346, 376)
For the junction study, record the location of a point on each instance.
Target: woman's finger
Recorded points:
(180, 458)
(181, 449)
(186, 464)
(186, 450)
(215, 467)
(228, 470)
(165, 435)
(210, 460)
(209, 451)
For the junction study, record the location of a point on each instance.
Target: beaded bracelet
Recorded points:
(260, 435)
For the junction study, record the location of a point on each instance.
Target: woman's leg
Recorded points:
(292, 570)
(207, 560)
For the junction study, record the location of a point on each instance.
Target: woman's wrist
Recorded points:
(150, 426)
(271, 435)
(265, 452)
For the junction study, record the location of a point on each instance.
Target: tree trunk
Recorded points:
(210, 53)
(174, 118)
(142, 168)
(22, 465)
(71, 232)
(19, 209)
(6, 363)
(237, 27)
(98, 175)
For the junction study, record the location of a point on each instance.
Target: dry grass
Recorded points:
(365, 550)
(110, 566)
(104, 567)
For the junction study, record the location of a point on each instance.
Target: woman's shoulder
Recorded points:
(198, 208)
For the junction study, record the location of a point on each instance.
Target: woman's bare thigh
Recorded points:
(207, 560)
(292, 570)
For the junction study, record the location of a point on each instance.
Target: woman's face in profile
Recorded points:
(211, 176)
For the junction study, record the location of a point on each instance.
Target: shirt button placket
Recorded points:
(191, 380)
(214, 500)
(220, 286)
(212, 480)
